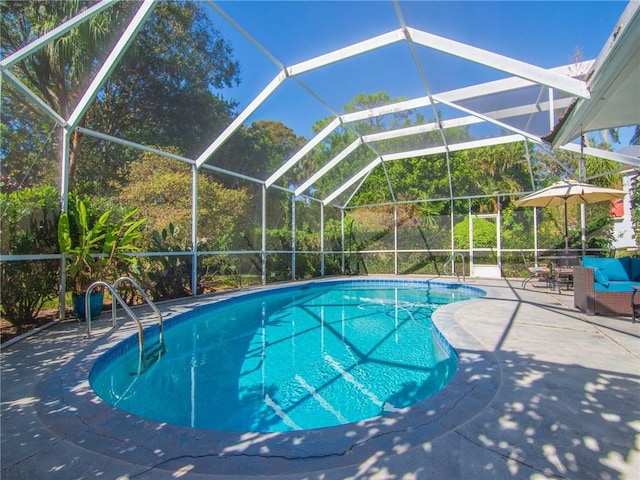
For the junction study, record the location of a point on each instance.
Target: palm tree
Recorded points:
(61, 71)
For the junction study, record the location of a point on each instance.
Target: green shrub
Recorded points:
(170, 277)
(28, 226)
(484, 234)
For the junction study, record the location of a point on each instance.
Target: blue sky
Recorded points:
(544, 33)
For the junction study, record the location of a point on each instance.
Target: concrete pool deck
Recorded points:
(542, 391)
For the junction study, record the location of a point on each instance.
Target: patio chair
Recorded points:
(540, 273)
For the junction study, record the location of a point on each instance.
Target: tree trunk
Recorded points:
(74, 151)
(74, 154)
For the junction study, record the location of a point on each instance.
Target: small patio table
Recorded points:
(561, 267)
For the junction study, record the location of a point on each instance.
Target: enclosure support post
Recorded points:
(64, 207)
(194, 230)
(395, 238)
(582, 171)
(293, 237)
(552, 120)
(499, 236)
(453, 241)
(342, 242)
(583, 222)
(535, 234)
(322, 239)
(470, 239)
(263, 240)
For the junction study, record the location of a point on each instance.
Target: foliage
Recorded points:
(97, 246)
(28, 226)
(29, 146)
(484, 234)
(170, 277)
(165, 90)
(634, 200)
(167, 277)
(160, 188)
(265, 147)
(61, 71)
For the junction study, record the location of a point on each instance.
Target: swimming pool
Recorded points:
(294, 358)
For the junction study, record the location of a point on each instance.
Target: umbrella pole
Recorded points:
(566, 229)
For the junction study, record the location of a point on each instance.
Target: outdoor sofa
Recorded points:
(604, 285)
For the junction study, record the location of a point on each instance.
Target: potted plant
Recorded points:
(95, 250)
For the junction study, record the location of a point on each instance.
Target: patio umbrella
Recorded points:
(569, 192)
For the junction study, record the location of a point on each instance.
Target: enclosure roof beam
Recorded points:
(596, 152)
(457, 122)
(452, 147)
(488, 88)
(465, 121)
(369, 45)
(433, 126)
(134, 145)
(239, 120)
(347, 52)
(332, 163)
(498, 123)
(385, 109)
(112, 60)
(297, 69)
(408, 131)
(500, 62)
(352, 180)
(33, 98)
(302, 152)
(460, 94)
(162, 153)
(428, 200)
(213, 168)
(420, 153)
(57, 32)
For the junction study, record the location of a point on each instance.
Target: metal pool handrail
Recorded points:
(452, 261)
(116, 298)
(146, 299)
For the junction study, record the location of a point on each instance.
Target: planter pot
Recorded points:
(95, 304)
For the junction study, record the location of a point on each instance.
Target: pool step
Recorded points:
(150, 357)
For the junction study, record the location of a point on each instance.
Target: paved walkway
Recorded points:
(542, 391)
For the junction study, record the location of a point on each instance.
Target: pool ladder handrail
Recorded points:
(146, 299)
(452, 261)
(118, 299)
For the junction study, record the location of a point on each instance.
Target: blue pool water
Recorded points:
(293, 358)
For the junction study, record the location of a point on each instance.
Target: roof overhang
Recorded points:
(614, 83)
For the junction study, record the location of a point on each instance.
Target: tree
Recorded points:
(163, 91)
(274, 143)
(258, 150)
(61, 71)
(28, 148)
(159, 187)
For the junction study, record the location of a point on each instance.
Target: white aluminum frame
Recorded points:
(525, 75)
